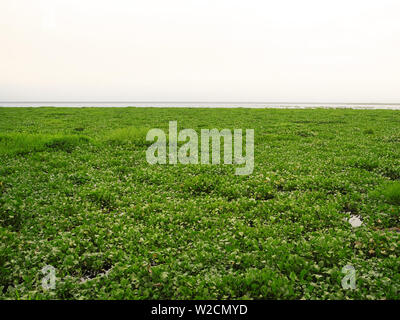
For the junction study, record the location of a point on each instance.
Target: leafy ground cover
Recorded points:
(77, 193)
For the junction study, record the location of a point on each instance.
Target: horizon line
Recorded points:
(224, 102)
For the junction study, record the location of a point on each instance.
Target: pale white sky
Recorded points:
(200, 50)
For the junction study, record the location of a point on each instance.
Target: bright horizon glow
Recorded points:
(200, 50)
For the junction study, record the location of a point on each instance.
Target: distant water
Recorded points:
(277, 105)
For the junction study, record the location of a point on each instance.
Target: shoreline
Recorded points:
(195, 105)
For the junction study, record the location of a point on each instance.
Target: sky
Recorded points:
(200, 50)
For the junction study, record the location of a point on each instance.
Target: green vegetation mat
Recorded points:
(77, 193)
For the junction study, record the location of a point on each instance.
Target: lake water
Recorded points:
(204, 105)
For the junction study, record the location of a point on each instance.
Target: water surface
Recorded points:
(286, 105)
